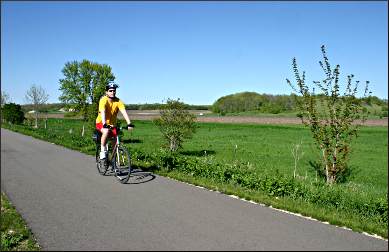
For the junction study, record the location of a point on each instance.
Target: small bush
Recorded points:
(175, 124)
(12, 113)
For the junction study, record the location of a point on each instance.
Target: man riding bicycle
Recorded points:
(109, 106)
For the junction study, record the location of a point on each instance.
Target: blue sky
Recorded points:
(196, 51)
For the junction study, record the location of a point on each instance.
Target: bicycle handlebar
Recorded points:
(121, 128)
(125, 127)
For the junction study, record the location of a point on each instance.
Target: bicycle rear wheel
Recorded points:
(122, 165)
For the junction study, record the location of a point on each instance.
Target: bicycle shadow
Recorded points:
(138, 176)
(131, 141)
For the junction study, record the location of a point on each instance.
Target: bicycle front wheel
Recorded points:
(100, 164)
(122, 164)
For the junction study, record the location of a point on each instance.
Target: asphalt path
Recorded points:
(69, 206)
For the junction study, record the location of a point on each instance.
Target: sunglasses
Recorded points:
(111, 90)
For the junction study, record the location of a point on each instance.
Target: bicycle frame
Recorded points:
(118, 158)
(115, 146)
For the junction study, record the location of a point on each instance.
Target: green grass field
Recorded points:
(256, 162)
(268, 147)
(374, 112)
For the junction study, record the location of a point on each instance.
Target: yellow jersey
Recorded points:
(111, 109)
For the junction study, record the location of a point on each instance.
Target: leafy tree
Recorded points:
(334, 125)
(175, 123)
(37, 96)
(103, 75)
(83, 86)
(12, 113)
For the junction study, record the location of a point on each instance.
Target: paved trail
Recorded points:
(69, 206)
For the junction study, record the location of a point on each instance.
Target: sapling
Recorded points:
(334, 120)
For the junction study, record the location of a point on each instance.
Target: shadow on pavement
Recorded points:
(137, 176)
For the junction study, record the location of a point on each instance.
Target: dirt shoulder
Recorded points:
(274, 120)
(202, 117)
(150, 115)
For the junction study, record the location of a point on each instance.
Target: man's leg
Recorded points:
(104, 136)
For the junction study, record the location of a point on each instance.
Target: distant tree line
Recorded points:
(274, 104)
(48, 107)
(157, 106)
(252, 101)
(235, 103)
(55, 107)
(370, 100)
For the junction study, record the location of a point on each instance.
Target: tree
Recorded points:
(252, 101)
(4, 98)
(103, 75)
(83, 86)
(175, 123)
(37, 96)
(333, 119)
(12, 113)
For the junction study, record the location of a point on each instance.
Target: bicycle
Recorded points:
(119, 160)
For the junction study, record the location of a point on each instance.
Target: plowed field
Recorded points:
(151, 114)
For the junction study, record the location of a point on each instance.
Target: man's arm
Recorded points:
(102, 103)
(102, 113)
(125, 115)
(105, 125)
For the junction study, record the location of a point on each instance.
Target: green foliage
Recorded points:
(83, 86)
(14, 234)
(333, 127)
(370, 100)
(251, 101)
(175, 123)
(9, 240)
(12, 113)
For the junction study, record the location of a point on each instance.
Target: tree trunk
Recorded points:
(329, 168)
(173, 144)
(36, 120)
(331, 178)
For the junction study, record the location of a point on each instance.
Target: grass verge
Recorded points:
(321, 213)
(15, 235)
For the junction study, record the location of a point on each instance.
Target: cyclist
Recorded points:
(109, 106)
